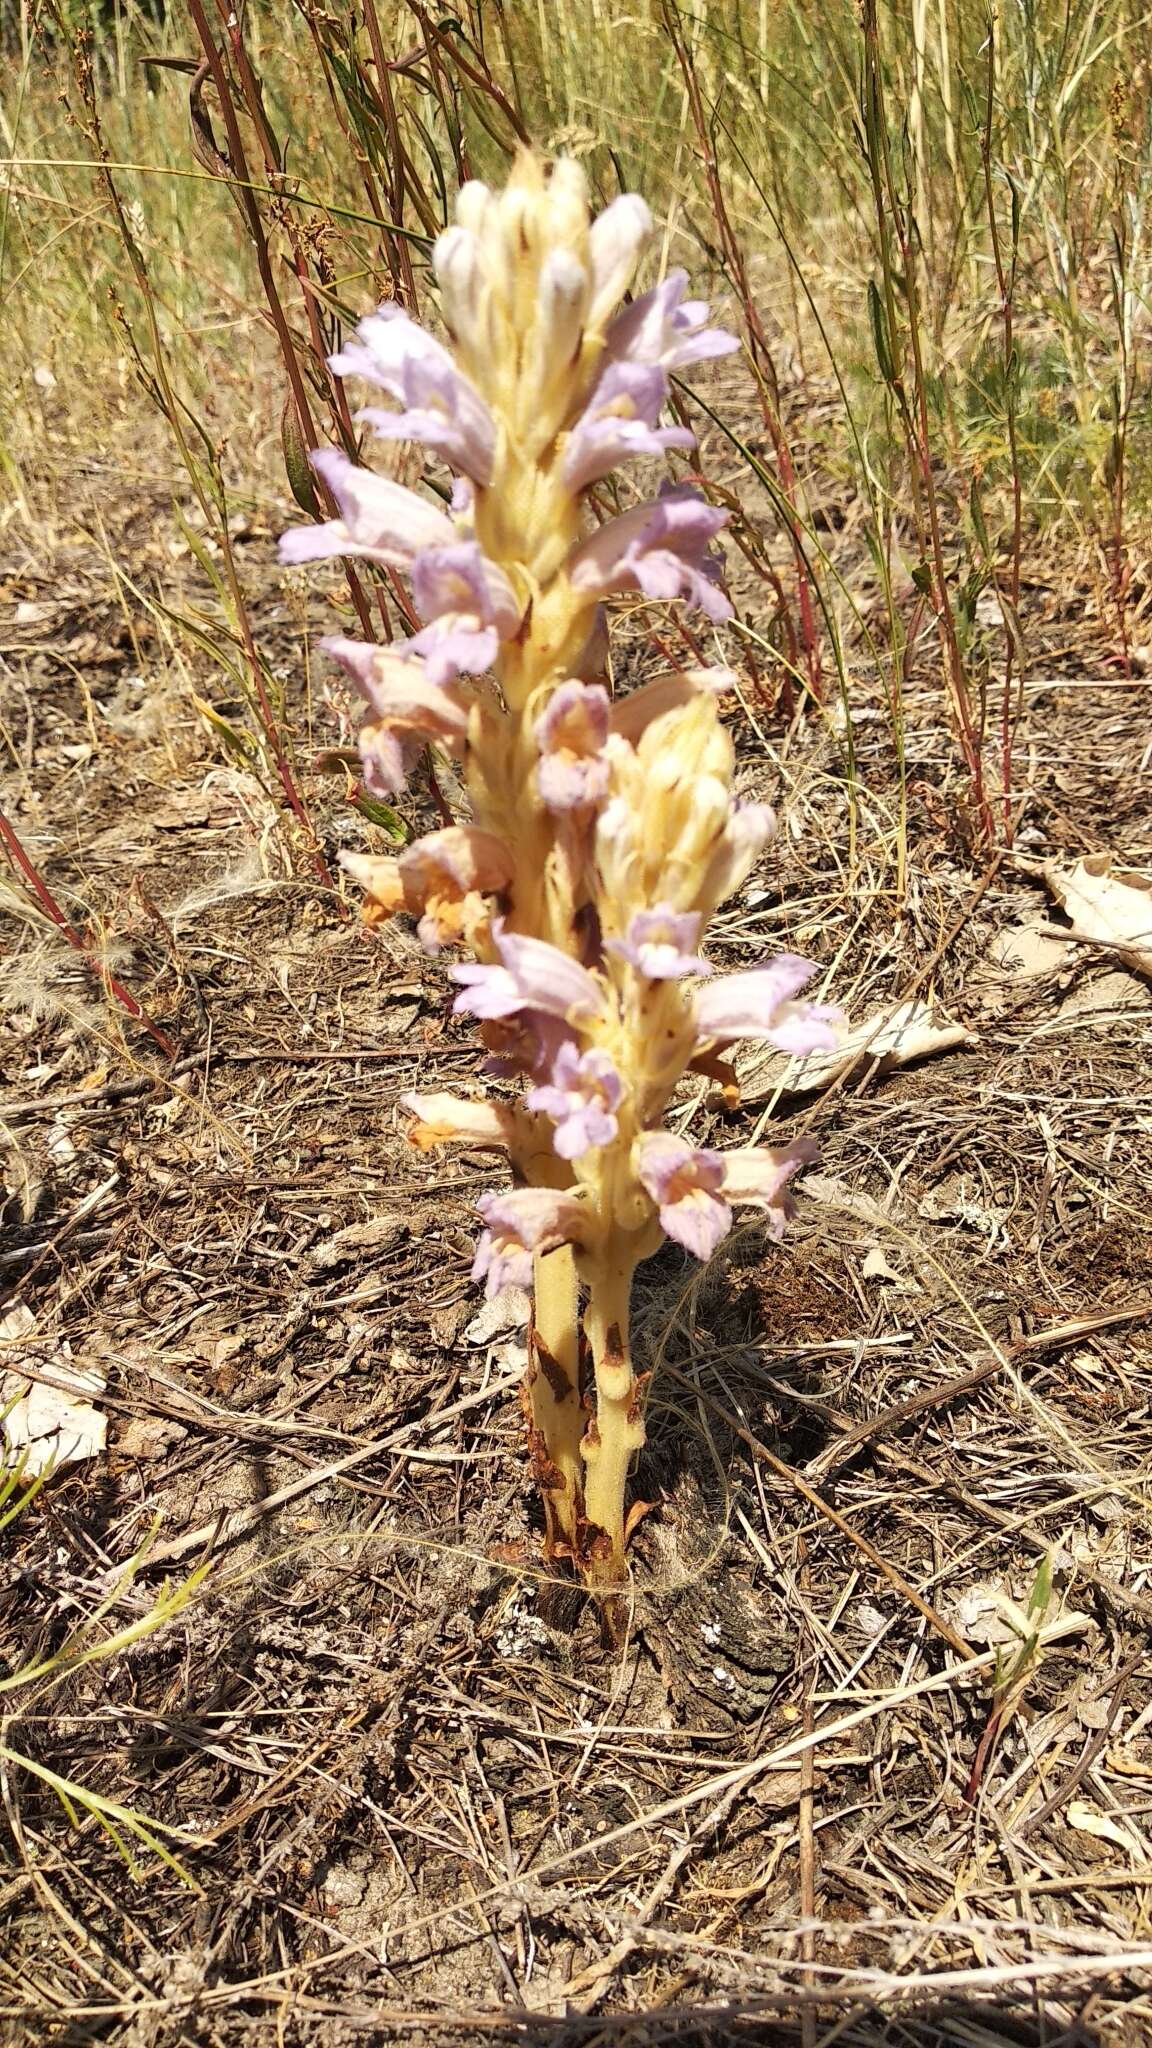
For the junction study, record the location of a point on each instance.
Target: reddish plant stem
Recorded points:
(1122, 408)
(758, 562)
(241, 187)
(1121, 573)
(785, 695)
(767, 381)
(251, 212)
(985, 1749)
(401, 260)
(274, 171)
(165, 398)
(893, 215)
(338, 404)
(430, 49)
(25, 866)
(436, 39)
(356, 148)
(1006, 286)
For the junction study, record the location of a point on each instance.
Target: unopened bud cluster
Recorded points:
(603, 831)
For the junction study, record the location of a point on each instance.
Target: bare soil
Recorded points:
(416, 1795)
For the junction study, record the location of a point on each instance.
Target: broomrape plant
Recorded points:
(604, 832)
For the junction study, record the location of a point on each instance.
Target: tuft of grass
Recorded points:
(29, 1692)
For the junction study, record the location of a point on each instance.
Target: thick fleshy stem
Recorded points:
(553, 1410)
(616, 1430)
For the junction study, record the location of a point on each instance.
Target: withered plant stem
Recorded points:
(1006, 287)
(760, 354)
(26, 867)
(893, 219)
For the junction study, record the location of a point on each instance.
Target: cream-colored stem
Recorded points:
(618, 1429)
(556, 1418)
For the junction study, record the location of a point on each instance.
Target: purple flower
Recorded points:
(694, 1189)
(760, 1004)
(584, 1093)
(386, 760)
(470, 606)
(405, 708)
(661, 327)
(660, 549)
(570, 734)
(440, 406)
(378, 518)
(759, 1175)
(659, 942)
(618, 422)
(517, 1224)
(532, 976)
(684, 1182)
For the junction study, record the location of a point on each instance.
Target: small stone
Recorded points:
(343, 1888)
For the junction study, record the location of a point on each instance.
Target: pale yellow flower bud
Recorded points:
(457, 262)
(474, 205)
(562, 310)
(699, 816)
(616, 241)
(568, 204)
(617, 862)
(686, 742)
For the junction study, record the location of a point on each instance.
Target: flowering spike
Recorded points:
(603, 832)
